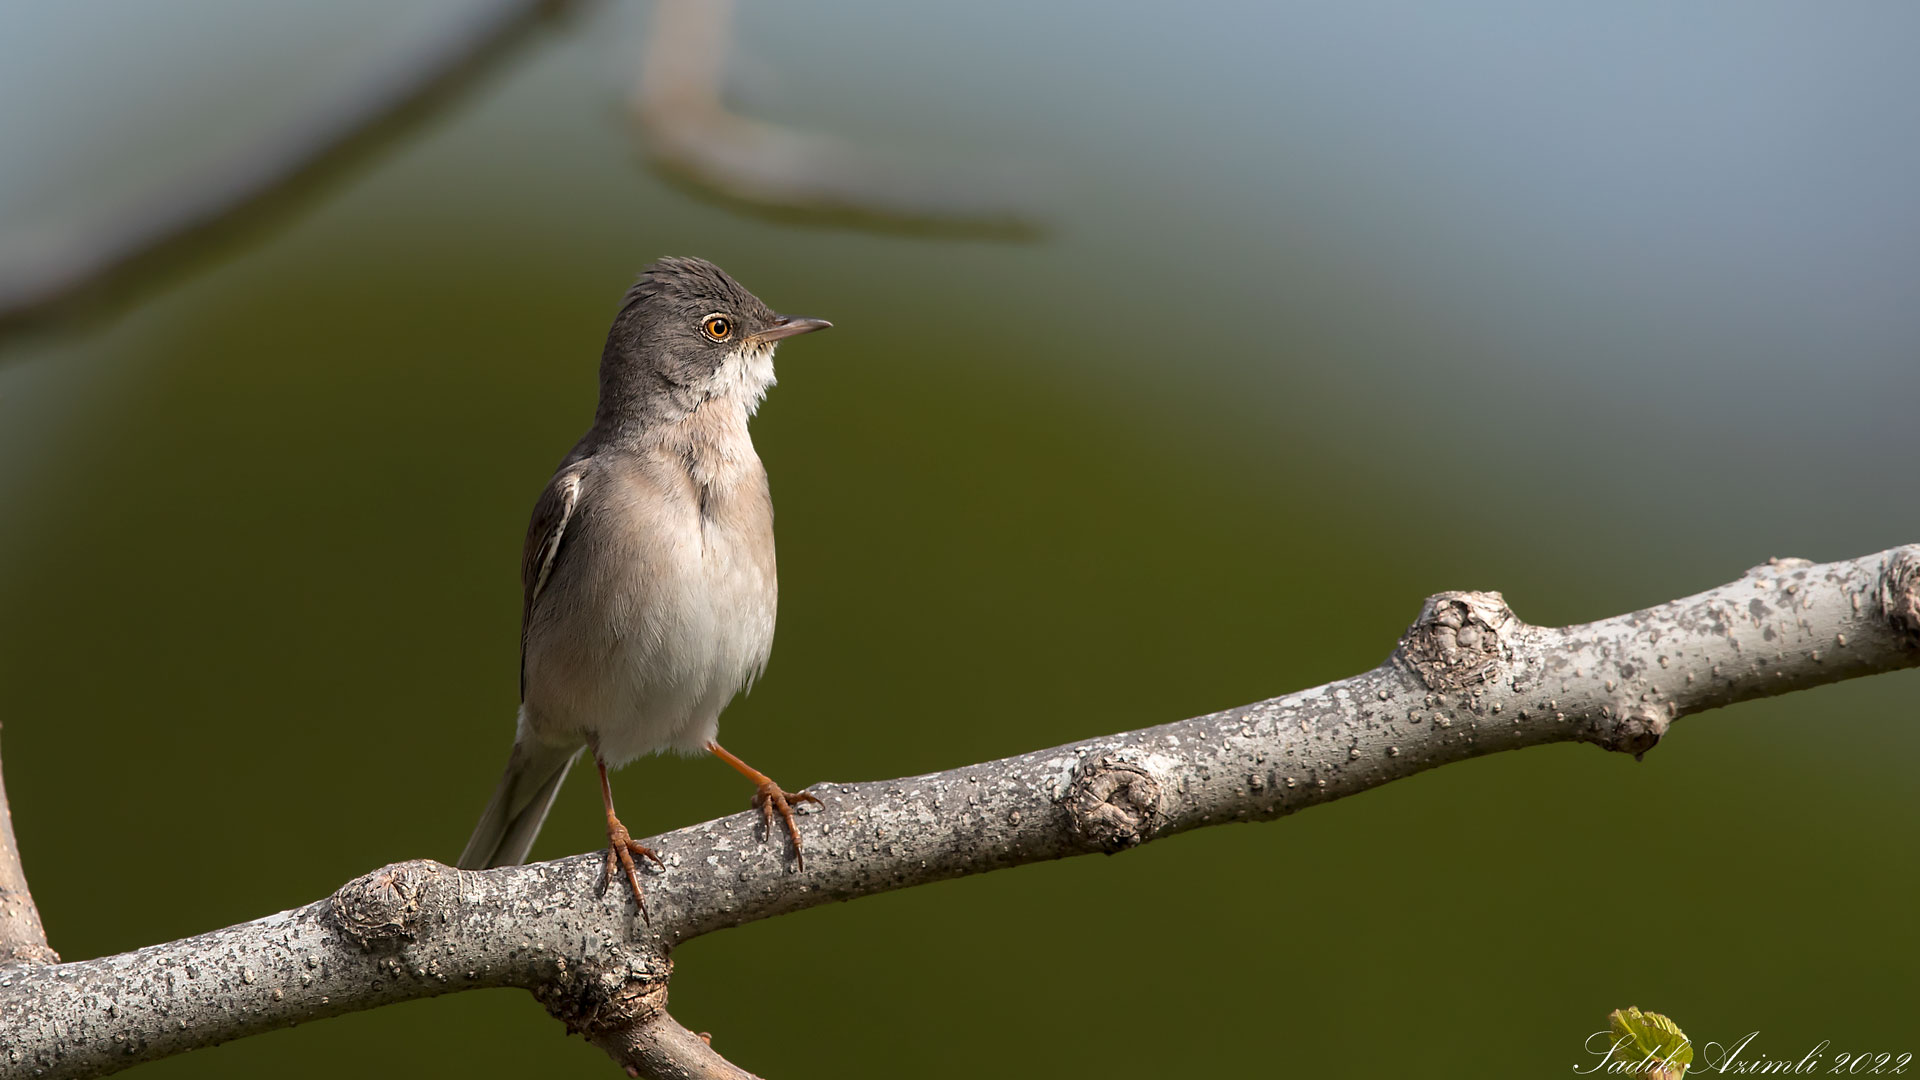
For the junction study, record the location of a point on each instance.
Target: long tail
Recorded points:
(519, 805)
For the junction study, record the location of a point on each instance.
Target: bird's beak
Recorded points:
(787, 326)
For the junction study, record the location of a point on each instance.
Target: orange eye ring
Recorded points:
(717, 327)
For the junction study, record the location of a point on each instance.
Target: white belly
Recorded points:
(691, 656)
(662, 623)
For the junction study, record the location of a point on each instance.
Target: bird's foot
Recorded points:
(769, 798)
(621, 849)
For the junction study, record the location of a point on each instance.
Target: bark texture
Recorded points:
(22, 939)
(1468, 678)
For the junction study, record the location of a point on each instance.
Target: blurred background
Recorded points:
(1323, 307)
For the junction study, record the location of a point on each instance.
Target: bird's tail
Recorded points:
(519, 805)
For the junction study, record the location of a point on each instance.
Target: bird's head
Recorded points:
(688, 333)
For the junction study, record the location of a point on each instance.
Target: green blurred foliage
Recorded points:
(260, 627)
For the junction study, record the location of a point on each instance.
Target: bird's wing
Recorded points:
(545, 535)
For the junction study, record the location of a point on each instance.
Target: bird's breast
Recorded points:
(675, 595)
(702, 580)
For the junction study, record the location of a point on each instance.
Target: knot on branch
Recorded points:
(381, 910)
(650, 1043)
(1112, 803)
(1636, 733)
(602, 999)
(1900, 593)
(1460, 639)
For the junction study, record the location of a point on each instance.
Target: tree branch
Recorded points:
(22, 939)
(691, 135)
(43, 276)
(1468, 678)
(750, 165)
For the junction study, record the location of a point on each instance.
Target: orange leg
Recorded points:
(622, 847)
(768, 797)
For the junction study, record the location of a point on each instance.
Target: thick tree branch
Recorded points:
(22, 939)
(1468, 678)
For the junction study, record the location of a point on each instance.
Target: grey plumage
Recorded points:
(648, 571)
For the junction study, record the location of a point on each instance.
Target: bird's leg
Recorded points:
(768, 797)
(622, 847)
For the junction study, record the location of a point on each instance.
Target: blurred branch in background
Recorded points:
(22, 939)
(48, 276)
(691, 135)
(1468, 678)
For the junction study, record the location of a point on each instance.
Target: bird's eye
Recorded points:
(718, 327)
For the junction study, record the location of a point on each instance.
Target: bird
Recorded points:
(648, 580)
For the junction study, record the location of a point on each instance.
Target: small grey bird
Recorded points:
(648, 570)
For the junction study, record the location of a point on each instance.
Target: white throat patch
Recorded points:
(745, 376)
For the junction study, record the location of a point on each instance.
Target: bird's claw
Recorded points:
(621, 849)
(769, 798)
